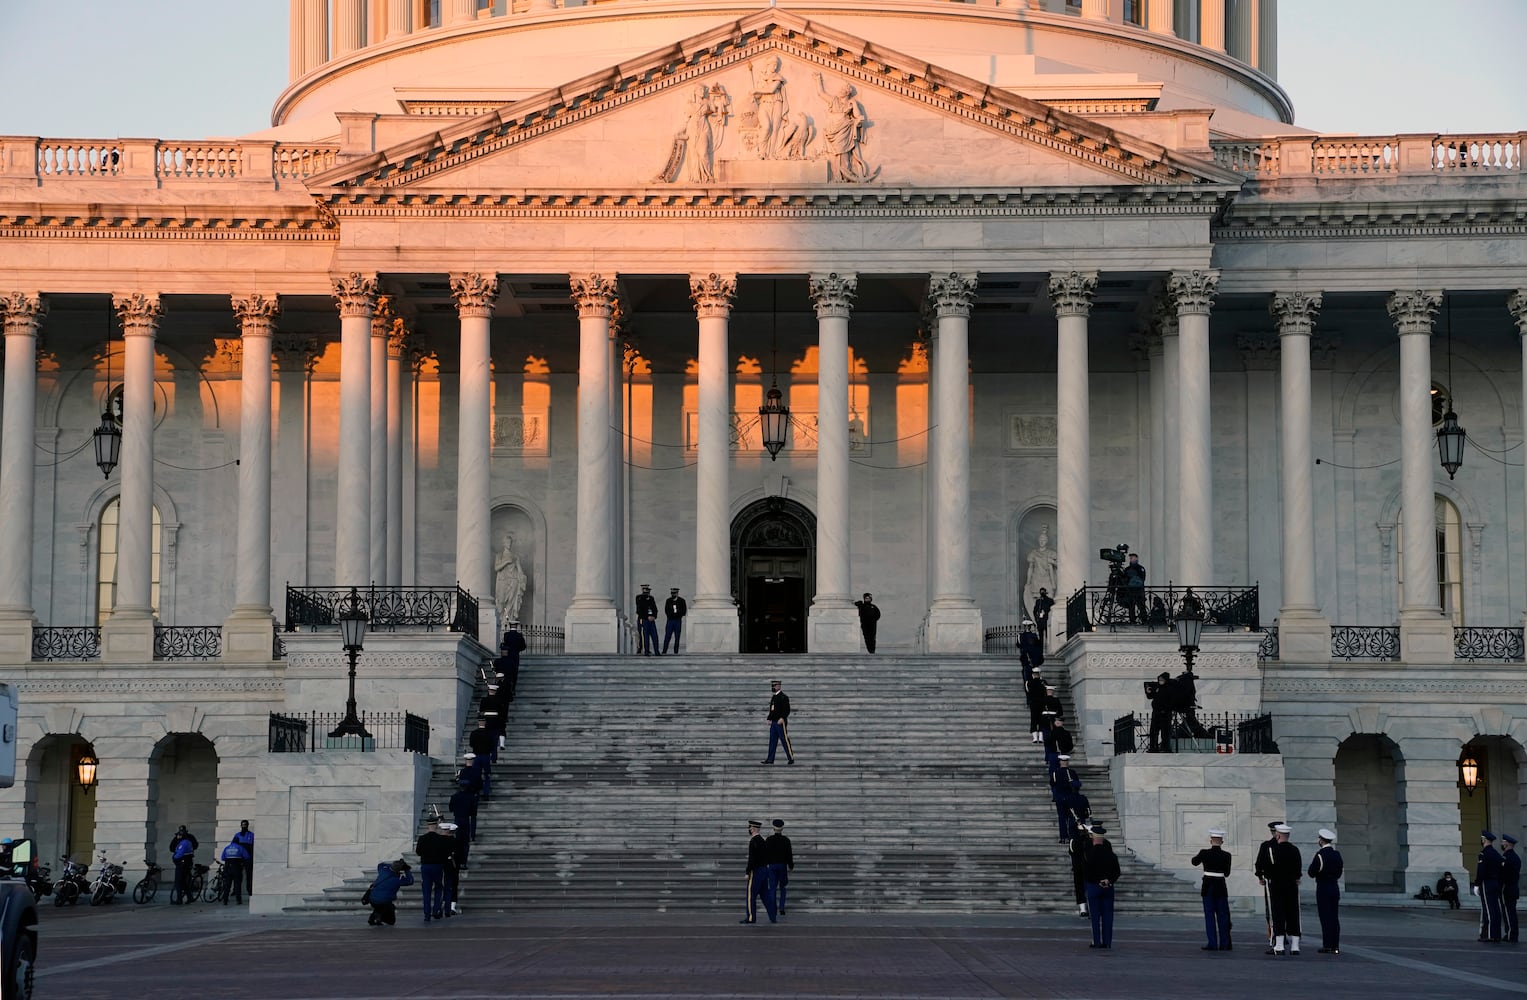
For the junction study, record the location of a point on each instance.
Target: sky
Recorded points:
(188, 69)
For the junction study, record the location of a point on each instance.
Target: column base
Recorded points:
(1425, 637)
(588, 629)
(1303, 636)
(953, 629)
(128, 637)
(249, 636)
(833, 628)
(712, 627)
(16, 640)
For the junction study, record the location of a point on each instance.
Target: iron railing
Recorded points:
(1269, 648)
(1001, 639)
(1238, 731)
(387, 608)
(1365, 642)
(83, 642)
(1504, 643)
(1158, 607)
(69, 642)
(1254, 735)
(310, 732)
(1125, 729)
(188, 642)
(543, 640)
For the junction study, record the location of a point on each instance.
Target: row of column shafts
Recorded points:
(369, 373)
(322, 30)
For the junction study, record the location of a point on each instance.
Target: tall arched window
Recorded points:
(106, 561)
(1449, 547)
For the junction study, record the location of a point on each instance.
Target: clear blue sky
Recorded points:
(185, 69)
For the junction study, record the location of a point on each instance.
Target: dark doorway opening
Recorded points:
(774, 573)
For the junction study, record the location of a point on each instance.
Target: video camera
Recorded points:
(1114, 556)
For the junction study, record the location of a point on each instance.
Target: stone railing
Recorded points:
(1366, 156)
(163, 160)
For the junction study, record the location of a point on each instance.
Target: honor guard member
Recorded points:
(1510, 887)
(781, 864)
(1325, 869)
(646, 620)
(779, 723)
(483, 741)
(1063, 781)
(1034, 694)
(435, 851)
(869, 619)
(674, 610)
(1077, 849)
(1031, 651)
(1286, 868)
(1262, 868)
(508, 662)
(1049, 710)
(1215, 891)
(463, 806)
(1487, 873)
(758, 877)
(1100, 872)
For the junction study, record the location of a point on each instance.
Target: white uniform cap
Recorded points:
(1065, 756)
(1283, 828)
(447, 826)
(1217, 834)
(469, 755)
(1325, 834)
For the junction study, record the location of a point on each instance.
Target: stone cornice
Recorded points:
(103, 685)
(314, 231)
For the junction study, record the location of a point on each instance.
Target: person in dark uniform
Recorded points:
(508, 662)
(781, 864)
(1049, 711)
(1077, 849)
(450, 872)
(1487, 873)
(495, 708)
(1325, 869)
(1134, 590)
(646, 620)
(1263, 870)
(758, 877)
(1042, 605)
(1063, 781)
(868, 616)
(1057, 741)
(1078, 810)
(463, 807)
(483, 741)
(1447, 890)
(1286, 868)
(779, 723)
(1161, 714)
(1034, 692)
(1031, 652)
(1215, 861)
(1510, 887)
(674, 610)
(434, 849)
(183, 852)
(1100, 873)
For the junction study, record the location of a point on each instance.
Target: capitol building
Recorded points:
(519, 305)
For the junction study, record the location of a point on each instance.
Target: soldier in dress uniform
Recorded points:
(1063, 781)
(1262, 868)
(1215, 891)
(781, 864)
(1057, 741)
(1034, 694)
(1325, 869)
(646, 620)
(1077, 849)
(1510, 887)
(779, 723)
(758, 877)
(1100, 872)
(1031, 651)
(1487, 872)
(1285, 871)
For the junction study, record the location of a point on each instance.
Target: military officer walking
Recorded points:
(1325, 869)
(1215, 891)
(646, 620)
(1100, 872)
(1063, 781)
(1510, 887)
(1488, 869)
(758, 877)
(1262, 868)
(781, 864)
(779, 724)
(1285, 870)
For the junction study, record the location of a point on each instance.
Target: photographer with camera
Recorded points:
(383, 894)
(1163, 700)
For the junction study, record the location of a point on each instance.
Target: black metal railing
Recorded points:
(1471, 643)
(1001, 639)
(310, 732)
(1153, 608)
(188, 642)
(1226, 732)
(1124, 730)
(387, 609)
(1269, 648)
(1254, 735)
(83, 642)
(543, 640)
(69, 642)
(1365, 642)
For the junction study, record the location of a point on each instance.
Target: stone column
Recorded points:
(315, 34)
(459, 11)
(833, 620)
(23, 314)
(1304, 632)
(1267, 37)
(1428, 793)
(1165, 559)
(1425, 635)
(1193, 293)
(1517, 304)
(591, 616)
(1155, 545)
(1211, 24)
(247, 630)
(712, 622)
(475, 296)
(399, 18)
(396, 336)
(356, 295)
(297, 45)
(349, 26)
(1071, 293)
(128, 635)
(954, 621)
(291, 469)
(1160, 17)
(1096, 10)
(381, 326)
(1239, 32)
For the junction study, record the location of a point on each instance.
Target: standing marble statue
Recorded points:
(769, 100)
(843, 133)
(509, 582)
(1042, 567)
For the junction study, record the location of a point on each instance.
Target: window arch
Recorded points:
(1449, 557)
(106, 559)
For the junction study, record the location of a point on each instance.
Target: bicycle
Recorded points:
(148, 886)
(198, 883)
(214, 890)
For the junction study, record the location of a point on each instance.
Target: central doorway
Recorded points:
(774, 573)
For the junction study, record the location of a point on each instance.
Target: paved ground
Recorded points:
(167, 953)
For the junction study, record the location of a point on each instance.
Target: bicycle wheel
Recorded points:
(145, 890)
(198, 883)
(214, 890)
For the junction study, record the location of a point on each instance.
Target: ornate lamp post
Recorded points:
(352, 630)
(774, 417)
(108, 444)
(1468, 773)
(1190, 625)
(85, 771)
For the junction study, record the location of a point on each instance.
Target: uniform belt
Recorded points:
(1216, 874)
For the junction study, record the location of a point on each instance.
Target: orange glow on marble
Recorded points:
(911, 423)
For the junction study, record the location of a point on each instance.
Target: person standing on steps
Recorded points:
(508, 662)
(674, 610)
(1284, 873)
(1215, 891)
(779, 723)
(646, 620)
(1031, 651)
(869, 615)
(1510, 887)
(1042, 605)
(758, 877)
(1077, 850)
(1034, 693)
(1325, 869)
(434, 849)
(781, 864)
(1063, 781)
(1100, 873)
(1057, 741)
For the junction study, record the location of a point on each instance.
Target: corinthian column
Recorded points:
(247, 631)
(381, 326)
(1517, 304)
(355, 294)
(23, 313)
(833, 620)
(712, 621)
(1193, 294)
(399, 18)
(1163, 561)
(954, 621)
(475, 296)
(1071, 292)
(591, 616)
(396, 337)
(349, 20)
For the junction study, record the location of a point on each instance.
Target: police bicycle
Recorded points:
(148, 886)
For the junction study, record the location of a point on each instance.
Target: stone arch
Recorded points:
(58, 814)
(519, 516)
(1477, 366)
(182, 790)
(1370, 812)
(1499, 801)
(781, 533)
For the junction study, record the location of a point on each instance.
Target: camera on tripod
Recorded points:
(1115, 556)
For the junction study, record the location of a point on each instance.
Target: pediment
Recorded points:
(767, 103)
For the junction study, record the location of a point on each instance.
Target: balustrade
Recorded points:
(310, 732)
(1159, 607)
(1365, 642)
(387, 608)
(203, 162)
(1224, 732)
(1473, 643)
(77, 158)
(1371, 155)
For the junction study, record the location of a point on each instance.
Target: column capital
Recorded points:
(1259, 353)
(475, 293)
(952, 294)
(833, 294)
(1193, 291)
(398, 337)
(1163, 318)
(295, 353)
(1516, 303)
(1295, 312)
(23, 312)
(594, 294)
(256, 313)
(382, 316)
(1071, 292)
(1413, 311)
(355, 294)
(713, 294)
(139, 312)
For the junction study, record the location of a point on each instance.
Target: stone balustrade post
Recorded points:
(18, 158)
(591, 617)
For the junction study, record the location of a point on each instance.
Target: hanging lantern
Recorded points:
(1450, 441)
(774, 418)
(85, 771)
(1468, 773)
(108, 444)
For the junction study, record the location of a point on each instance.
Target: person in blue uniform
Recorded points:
(781, 864)
(245, 836)
(1215, 861)
(779, 723)
(1057, 740)
(646, 620)
(463, 806)
(1325, 869)
(1510, 887)
(390, 876)
(1285, 869)
(1063, 781)
(1100, 873)
(758, 877)
(1487, 872)
(674, 610)
(1077, 850)
(1031, 651)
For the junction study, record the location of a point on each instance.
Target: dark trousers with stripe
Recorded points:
(1327, 899)
(1490, 910)
(760, 886)
(1509, 924)
(779, 733)
(1284, 897)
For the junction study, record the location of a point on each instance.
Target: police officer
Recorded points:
(781, 864)
(646, 620)
(1325, 869)
(1510, 887)
(1488, 869)
(758, 877)
(779, 723)
(1215, 891)
(1063, 781)
(1286, 868)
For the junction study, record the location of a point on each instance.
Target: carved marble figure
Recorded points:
(843, 133)
(509, 581)
(1043, 563)
(771, 105)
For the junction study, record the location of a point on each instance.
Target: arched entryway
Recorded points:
(774, 573)
(182, 778)
(1497, 799)
(1370, 815)
(60, 814)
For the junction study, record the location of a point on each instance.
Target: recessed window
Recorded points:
(1134, 12)
(107, 559)
(1449, 548)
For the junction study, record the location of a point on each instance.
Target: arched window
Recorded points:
(106, 560)
(1449, 547)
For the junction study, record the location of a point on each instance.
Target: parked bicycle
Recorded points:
(198, 880)
(214, 890)
(148, 886)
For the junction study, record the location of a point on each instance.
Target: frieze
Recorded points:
(1032, 432)
(189, 685)
(1452, 684)
(1152, 663)
(520, 434)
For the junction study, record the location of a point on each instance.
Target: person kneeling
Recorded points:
(383, 894)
